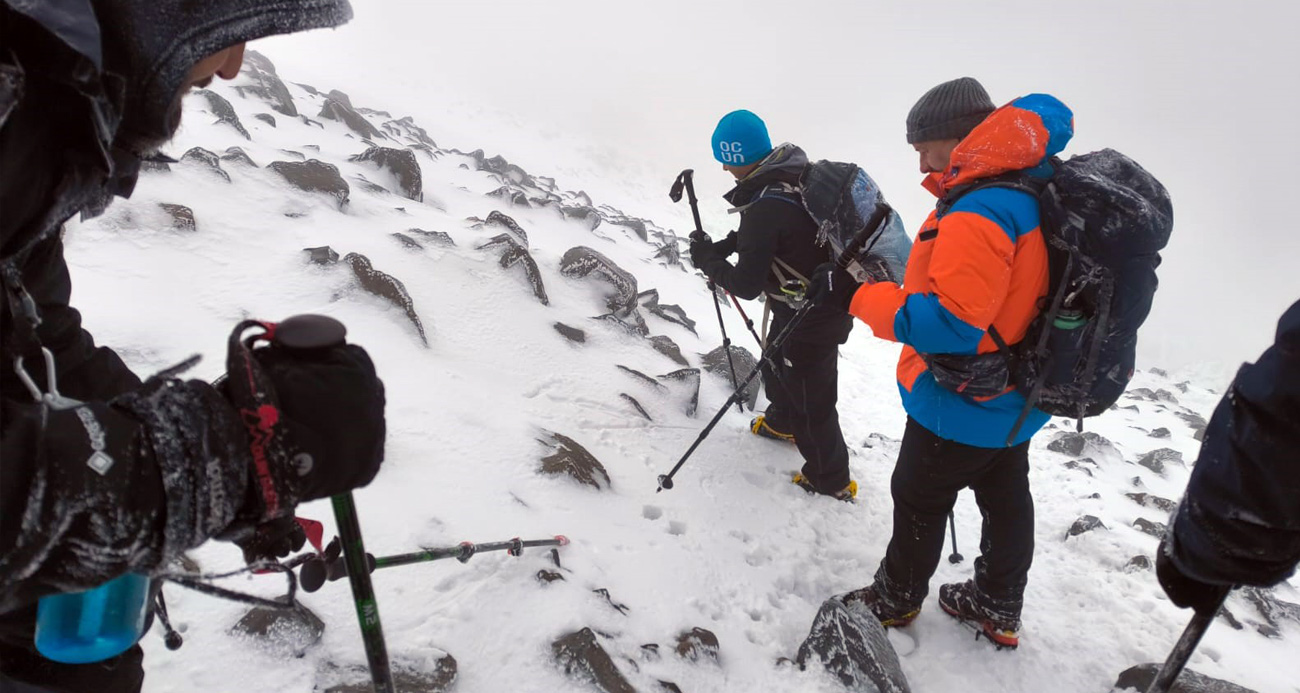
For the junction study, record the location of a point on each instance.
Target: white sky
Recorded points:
(1200, 93)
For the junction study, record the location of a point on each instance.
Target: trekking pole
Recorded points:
(363, 592)
(1183, 649)
(462, 552)
(878, 217)
(955, 557)
(748, 323)
(686, 179)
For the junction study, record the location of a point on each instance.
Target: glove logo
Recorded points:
(99, 461)
(302, 463)
(261, 424)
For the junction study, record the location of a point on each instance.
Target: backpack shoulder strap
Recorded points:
(777, 191)
(1015, 180)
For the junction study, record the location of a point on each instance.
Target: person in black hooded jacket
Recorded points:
(776, 243)
(115, 475)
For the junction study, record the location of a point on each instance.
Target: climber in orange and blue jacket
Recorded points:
(980, 263)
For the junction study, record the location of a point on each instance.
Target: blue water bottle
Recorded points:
(91, 626)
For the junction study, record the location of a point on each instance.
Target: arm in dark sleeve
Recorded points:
(756, 241)
(1239, 521)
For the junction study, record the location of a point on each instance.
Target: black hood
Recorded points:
(153, 44)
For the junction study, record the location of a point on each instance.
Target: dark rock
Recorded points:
(308, 88)
(440, 680)
(717, 363)
(407, 241)
(1152, 501)
(224, 112)
(503, 168)
(386, 287)
(548, 576)
(1074, 444)
(1150, 528)
(406, 126)
(1138, 562)
(666, 346)
(638, 226)
(515, 197)
(1136, 482)
(1148, 395)
(586, 215)
(581, 262)
(572, 459)
(515, 254)
(1140, 678)
(645, 379)
(697, 644)
(1160, 433)
(1087, 523)
(635, 405)
(314, 176)
(1227, 617)
(650, 652)
(207, 159)
(670, 254)
(182, 217)
(294, 629)
(265, 118)
(153, 166)
(1073, 464)
(1156, 459)
(372, 188)
(236, 155)
(573, 334)
(670, 312)
(308, 121)
(690, 379)
(1273, 610)
(266, 85)
(852, 646)
(401, 165)
(585, 660)
(324, 255)
(1159, 371)
(632, 323)
(668, 686)
(298, 156)
(338, 107)
(313, 147)
(621, 608)
(505, 221)
(439, 237)
(1195, 421)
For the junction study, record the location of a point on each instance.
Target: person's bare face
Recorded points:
(224, 63)
(935, 154)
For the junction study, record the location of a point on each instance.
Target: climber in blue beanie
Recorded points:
(776, 243)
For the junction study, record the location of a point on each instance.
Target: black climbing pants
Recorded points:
(803, 391)
(929, 473)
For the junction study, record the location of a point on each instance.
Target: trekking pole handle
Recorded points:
(686, 180)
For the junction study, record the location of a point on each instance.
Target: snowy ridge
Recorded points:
(734, 548)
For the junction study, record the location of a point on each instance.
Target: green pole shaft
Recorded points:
(363, 592)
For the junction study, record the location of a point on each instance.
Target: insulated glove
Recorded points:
(272, 539)
(702, 250)
(314, 411)
(725, 247)
(831, 285)
(1185, 591)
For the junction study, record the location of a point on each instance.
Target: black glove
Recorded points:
(1184, 591)
(273, 539)
(725, 247)
(314, 412)
(702, 250)
(831, 285)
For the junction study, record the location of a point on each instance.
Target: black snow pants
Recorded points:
(803, 390)
(929, 473)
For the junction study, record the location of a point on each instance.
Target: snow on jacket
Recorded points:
(78, 79)
(775, 225)
(984, 263)
(1239, 521)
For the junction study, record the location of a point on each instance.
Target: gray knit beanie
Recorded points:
(948, 111)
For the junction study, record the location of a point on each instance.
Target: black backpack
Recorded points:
(1104, 220)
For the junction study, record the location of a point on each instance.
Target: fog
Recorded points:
(1202, 94)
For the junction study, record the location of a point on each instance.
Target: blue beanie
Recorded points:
(741, 139)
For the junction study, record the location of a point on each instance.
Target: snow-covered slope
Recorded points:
(734, 548)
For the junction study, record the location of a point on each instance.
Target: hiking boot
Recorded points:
(846, 494)
(960, 600)
(885, 611)
(759, 427)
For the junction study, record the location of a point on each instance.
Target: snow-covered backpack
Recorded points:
(841, 198)
(1104, 220)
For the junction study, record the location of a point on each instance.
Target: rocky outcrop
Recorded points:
(1150, 528)
(237, 156)
(338, 107)
(584, 660)
(504, 221)
(406, 127)
(314, 176)
(207, 160)
(1140, 677)
(635, 405)
(265, 118)
(512, 253)
(1156, 459)
(439, 679)
(265, 84)
(666, 346)
(1084, 524)
(1076, 444)
(406, 241)
(687, 379)
(716, 362)
(570, 459)
(436, 237)
(224, 112)
(323, 255)
(295, 629)
(516, 198)
(696, 645)
(401, 165)
(1150, 500)
(581, 262)
(182, 217)
(586, 215)
(386, 287)
(572, 334)
(853, 647)
(649, 300)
